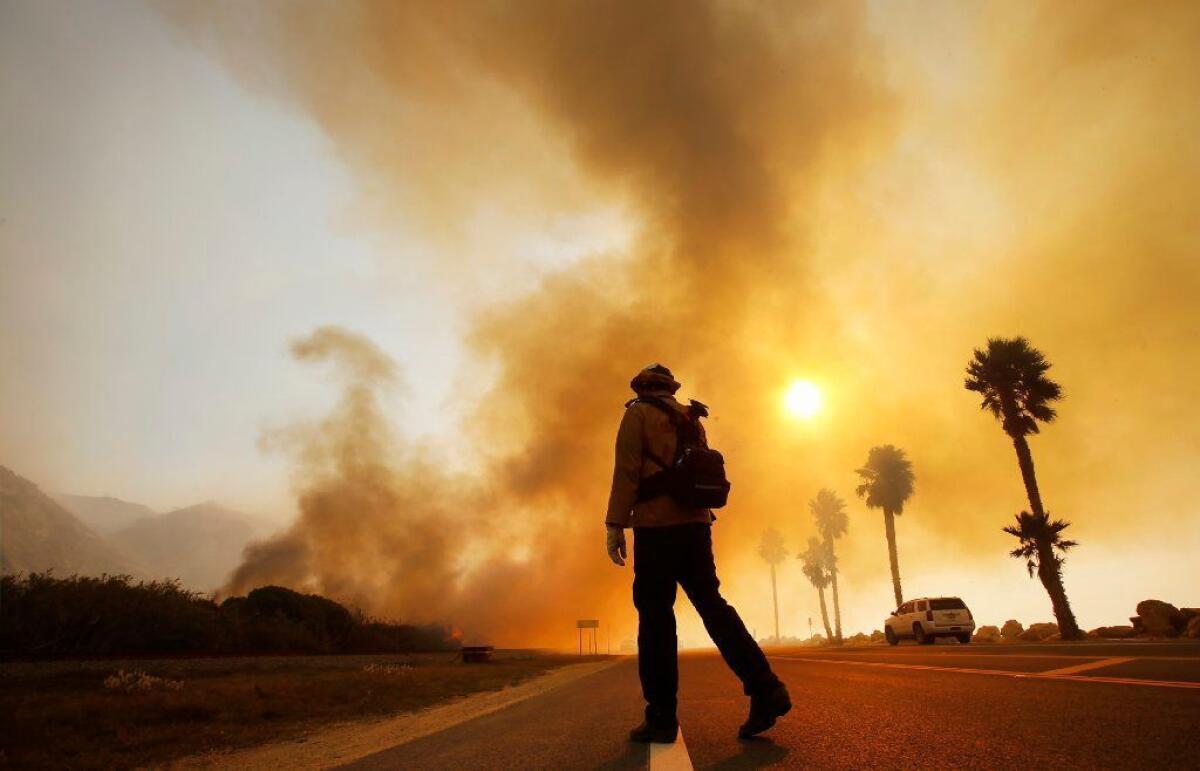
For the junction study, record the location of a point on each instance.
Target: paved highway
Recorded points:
(1119, 705)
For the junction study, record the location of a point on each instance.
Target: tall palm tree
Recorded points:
(815, 561)
(1010, 374)
(829, 512)
(887, 484)
(772, 551)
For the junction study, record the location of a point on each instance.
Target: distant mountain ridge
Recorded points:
(37, 534)
(200, 545)
(106, 515)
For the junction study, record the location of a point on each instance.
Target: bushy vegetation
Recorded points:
(46, 617)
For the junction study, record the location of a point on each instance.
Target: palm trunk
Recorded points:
(837, 608)
(1025, 461)
(1051, 576)
(889, 523)
(1048, 565)
(825, 614)
(775, 602)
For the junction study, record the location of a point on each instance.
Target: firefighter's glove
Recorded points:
(616, 545)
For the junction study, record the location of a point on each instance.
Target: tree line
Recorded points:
(43, 617)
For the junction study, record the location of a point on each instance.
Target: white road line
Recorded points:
(1076, 669)
(896, 655)
(1001, 672)
(670, 757)
(983, 652)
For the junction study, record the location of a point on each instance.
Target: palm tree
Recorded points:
(829, 512)
(1010, 374)
(1041, 542)
(887, 484)
(771, 549)
(815, 566)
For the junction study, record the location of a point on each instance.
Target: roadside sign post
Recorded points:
(591, 624)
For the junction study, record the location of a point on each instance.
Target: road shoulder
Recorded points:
(348, 742)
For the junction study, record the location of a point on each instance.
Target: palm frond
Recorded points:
(829, 513)
(888, 479)
(1011, 375)
(815, 567)
(771, 548)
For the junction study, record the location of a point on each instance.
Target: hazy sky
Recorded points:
(185, 190)
(164, 234)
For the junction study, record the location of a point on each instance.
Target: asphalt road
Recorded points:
(1120, 705)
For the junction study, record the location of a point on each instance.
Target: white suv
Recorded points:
(926, 619)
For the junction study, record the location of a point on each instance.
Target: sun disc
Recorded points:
(802, 399)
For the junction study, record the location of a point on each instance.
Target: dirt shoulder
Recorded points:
(345, 743)
(86, 714)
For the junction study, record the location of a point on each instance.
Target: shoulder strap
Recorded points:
(688, 421)
(672, 414)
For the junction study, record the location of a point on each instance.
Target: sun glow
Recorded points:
(802, 399)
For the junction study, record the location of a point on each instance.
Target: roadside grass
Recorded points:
(62, 713)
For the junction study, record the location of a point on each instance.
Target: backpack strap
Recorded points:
(686, 422)
(672, 415)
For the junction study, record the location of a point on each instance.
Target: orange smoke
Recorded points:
(794, 218)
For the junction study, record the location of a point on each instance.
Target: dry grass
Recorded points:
(61, 714)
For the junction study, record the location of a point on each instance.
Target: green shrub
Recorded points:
(273, 618)
(46, 617)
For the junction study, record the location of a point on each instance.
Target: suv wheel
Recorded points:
(964, 638)
(892, 639)
(919, 634)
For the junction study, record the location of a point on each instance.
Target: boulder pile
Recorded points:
(1156, 618)
(1011, 630)
(1039, 632)
(987, 634)
(1113, 632)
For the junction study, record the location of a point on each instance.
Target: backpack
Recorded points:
(695, 477)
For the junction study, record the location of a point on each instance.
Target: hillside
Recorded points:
(105, 515)
(200, 545)
(37, 534)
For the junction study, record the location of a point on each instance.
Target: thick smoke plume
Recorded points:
(709, 117)
(804, 204)
(375, 513)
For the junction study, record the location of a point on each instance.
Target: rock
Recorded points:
(877, 636)
(1113, 632)
(1136, 621)
(1038, 632)
(858, 639)
(1190, 613)
(987, 634)
(1011, 630)
(1193, 628)
(1052, 638)
(1161, 619)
